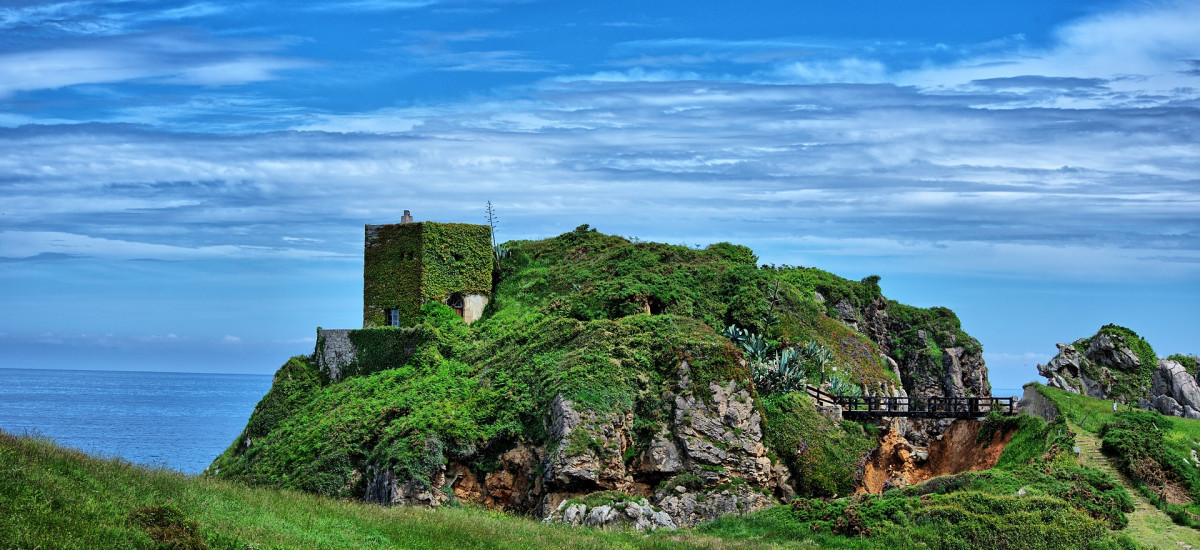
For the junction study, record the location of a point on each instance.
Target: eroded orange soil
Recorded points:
(898, 464)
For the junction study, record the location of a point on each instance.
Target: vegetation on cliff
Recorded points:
(604, 322)
(1035, 497)
(627, 333)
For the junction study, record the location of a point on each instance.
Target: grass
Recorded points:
(1130, 435)
(51, 497)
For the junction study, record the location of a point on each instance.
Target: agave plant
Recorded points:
(783, 373)
(756, 348)
(736, 334)
(817, 357)
(840, 386)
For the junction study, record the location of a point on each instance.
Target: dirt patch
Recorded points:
(897, 463)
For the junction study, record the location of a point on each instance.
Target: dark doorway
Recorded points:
(455, 301)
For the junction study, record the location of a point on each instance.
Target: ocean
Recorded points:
(178, 420)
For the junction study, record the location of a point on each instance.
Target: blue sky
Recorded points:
(183, 185)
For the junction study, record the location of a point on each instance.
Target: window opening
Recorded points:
(456, 303)
(393, 317)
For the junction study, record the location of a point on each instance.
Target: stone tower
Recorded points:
(407, 264)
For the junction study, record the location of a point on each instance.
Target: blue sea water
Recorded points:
(178, 420)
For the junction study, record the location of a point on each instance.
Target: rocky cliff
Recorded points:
(600, 387)
(926, 348)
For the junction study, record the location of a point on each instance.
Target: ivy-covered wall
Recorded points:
(457, 258)
(405, 265)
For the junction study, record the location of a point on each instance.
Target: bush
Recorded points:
(823, 456)
(1135, 439)
(168, 528)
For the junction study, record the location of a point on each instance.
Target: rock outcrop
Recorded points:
(638, 514)
(709, 460)
(1093, 366)
(1114, 363)
(715, 443)
(1173, 391)
(927, 350)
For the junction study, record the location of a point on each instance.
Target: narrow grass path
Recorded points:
(1148, 525)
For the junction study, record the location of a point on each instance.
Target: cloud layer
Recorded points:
(206, 132)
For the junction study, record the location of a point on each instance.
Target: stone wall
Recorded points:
(334, 351)
(473, 305)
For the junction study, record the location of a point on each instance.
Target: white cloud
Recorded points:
(1142, 50)
(31, 244)
(179, 58)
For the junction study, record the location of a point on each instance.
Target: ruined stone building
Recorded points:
(405, 266)
(408, 264)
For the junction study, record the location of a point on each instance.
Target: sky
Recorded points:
(183, 185)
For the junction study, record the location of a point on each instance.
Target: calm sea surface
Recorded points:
(181, 420)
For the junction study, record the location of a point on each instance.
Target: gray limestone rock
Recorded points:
(637, 514)
(1172, 380)
(1034, 403)
(691, 509)
(1167, 405)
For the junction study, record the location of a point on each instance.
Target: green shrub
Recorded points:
(1136, 440)
(955, 520)
(823, 456)
(168, 528)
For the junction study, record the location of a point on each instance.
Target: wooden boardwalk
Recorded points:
(916, 407)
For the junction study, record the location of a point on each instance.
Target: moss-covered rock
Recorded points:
(1115, 363)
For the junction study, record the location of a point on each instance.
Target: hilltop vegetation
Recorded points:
(612, 375)
(606, 371)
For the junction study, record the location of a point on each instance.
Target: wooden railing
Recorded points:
(922, 407)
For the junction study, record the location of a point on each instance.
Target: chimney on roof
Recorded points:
(406, 218)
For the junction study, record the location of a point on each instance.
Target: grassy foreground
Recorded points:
(52, 497)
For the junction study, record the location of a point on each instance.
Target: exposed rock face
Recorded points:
(637, 514)
(715, 442)
(689, 509)
(898, 463)
(385, 488)
(1034, 403)
(511, 486)
(1173, 391)
(957, 371)
(1105, 359)
(1066, 371)
(718, 441)
(588, 450)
